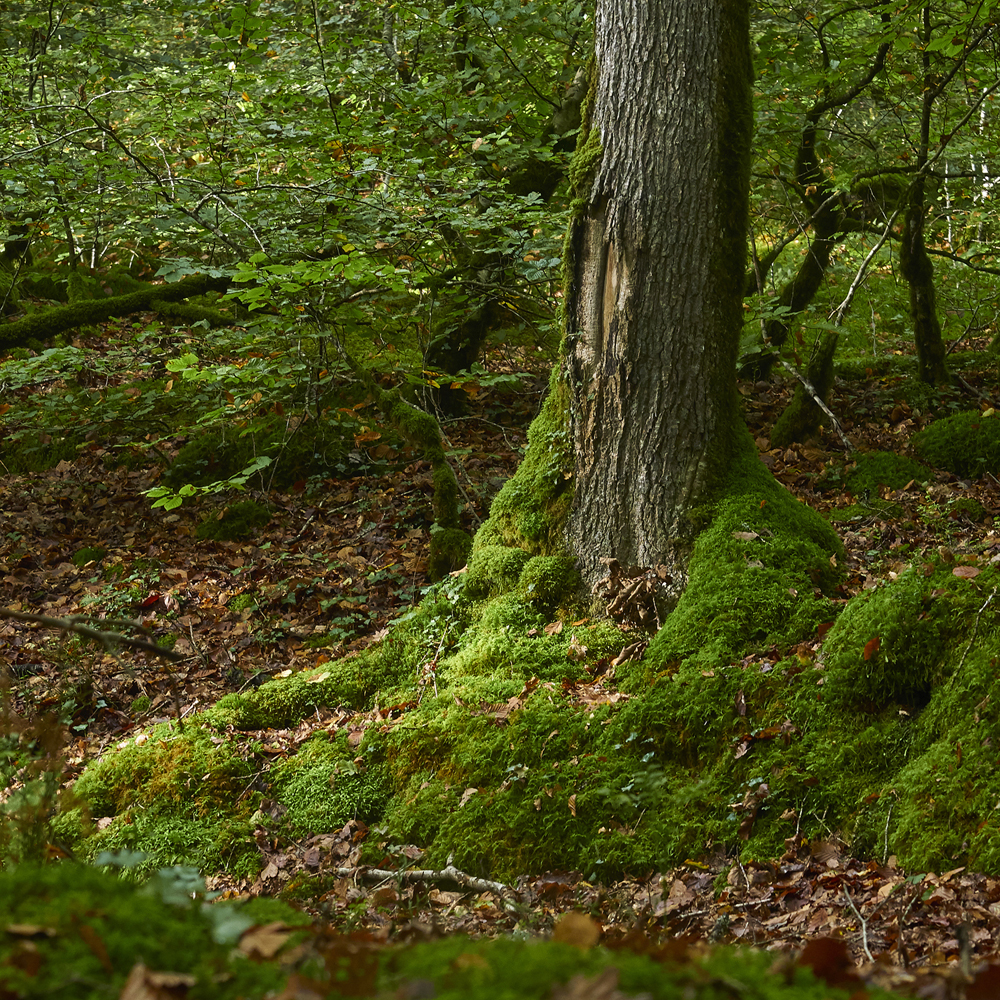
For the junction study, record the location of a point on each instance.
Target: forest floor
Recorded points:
(345, 562)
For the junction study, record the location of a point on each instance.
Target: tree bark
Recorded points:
(915, 263)
(657, 257)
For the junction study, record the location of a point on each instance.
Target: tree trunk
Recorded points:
(656, 268)
(914, 261)
(917, 269)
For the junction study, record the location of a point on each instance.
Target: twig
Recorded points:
(885, 852)
(901, 951)
(447, 874)
(972, 638)
(808, 386)
(837, 315)
(746, 881)
(733, 906)
(864, 926)
(108, 640)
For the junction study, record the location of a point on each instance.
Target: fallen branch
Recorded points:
(864, 925)
(107, 639)
(47, 323)
(809, 388)
(447, 874)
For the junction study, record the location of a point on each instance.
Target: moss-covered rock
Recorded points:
(967, 444)
(892, 645)
(872, 470)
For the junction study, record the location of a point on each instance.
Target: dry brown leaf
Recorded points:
(577, 929)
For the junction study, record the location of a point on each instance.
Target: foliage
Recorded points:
(237, 522)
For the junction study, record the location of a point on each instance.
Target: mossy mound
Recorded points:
(967, 444)
(875, 469)
(175, 795)
(235, 523)
(506, 738)
(891, 644)
(762, 572)
(516, 759)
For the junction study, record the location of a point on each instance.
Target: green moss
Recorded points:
(875, 469)
(967, 444)
(172, 797)
(463, 969)
(88, 554)
(549, 580)
(449, 551)
(531, 509)
(353, 681)
(891, 644)
(237, 522)
(159, 922)
(494, 569)
(323, 787)
(969, 508)
(243, 601)
(761, 573)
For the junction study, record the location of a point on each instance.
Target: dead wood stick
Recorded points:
(447, 874)
(107, 639)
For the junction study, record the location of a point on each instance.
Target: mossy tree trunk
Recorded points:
(655, 268)
(915, 263)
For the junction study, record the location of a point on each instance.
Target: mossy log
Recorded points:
(41, 326)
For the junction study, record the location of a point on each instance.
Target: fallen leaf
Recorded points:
(577, 929)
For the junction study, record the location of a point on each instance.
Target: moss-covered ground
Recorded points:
(494, 726)
(78, 933)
